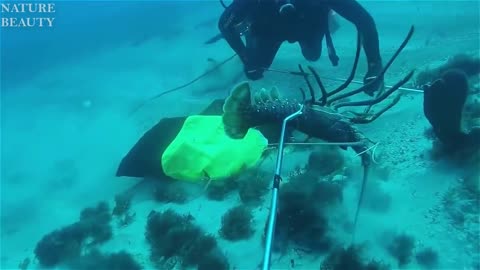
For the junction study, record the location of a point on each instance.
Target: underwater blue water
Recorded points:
(68, 92)
(83, 27)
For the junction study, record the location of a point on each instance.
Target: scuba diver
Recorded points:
(271, 22)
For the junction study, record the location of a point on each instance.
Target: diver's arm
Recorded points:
(234, 14)
(356, 14)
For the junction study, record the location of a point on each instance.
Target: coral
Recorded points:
(253, 187)
(173, 237)
(326, 161)
(97, 260)
(401, 248)
(170, 193)
(218, 190)
(214, 261)
(349, 258)
(237, 224)
(427, 258)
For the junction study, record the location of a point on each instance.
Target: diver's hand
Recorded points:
(374, 71)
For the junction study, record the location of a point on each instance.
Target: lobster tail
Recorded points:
(235, 111)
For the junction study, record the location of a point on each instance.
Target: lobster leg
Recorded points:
(378, 99)
(365, 118)
(310, 88)
(366, 168)
(352, 72)
(380, 76)
(323, 100)
(362, 150)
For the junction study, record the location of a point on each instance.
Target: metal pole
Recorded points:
(343, 80)
(276, 184)
(387, 86)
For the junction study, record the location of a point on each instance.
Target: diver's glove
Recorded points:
(374, 70)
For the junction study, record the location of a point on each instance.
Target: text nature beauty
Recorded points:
(27, 15)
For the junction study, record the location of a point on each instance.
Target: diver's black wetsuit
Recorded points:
(268, 29)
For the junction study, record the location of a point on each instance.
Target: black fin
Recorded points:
(143, 160)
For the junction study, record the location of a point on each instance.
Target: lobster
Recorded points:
(320, 118)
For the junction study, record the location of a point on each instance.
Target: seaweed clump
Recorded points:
(173, 237)
(122, 204)
(121, 210)
(237, 224)
(301, 217)
(462, 206)
(427, 258)
(301, 221)
(23, 265)
(349, 258)
(170, 193)
(401, 248)
(219, 190)
(97, 260)
(96, 221)
(326, 161)
(60, 245)
(253, 187)
(68, 243)
(214, 261)
(321, 193)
